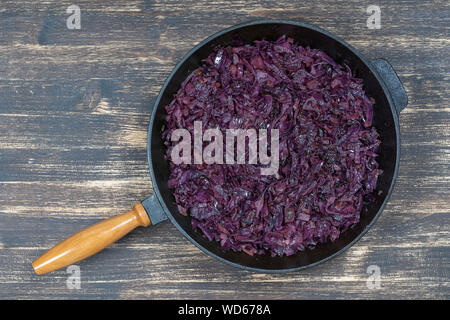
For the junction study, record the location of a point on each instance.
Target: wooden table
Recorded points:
(74, 110)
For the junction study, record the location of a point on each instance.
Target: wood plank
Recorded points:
(74, 110)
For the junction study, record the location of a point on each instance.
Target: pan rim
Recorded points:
(298, 24)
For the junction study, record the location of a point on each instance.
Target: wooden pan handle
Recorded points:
(91, 240)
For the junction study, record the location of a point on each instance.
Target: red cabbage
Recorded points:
(328, 147)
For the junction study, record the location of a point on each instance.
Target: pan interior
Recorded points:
(383, 121)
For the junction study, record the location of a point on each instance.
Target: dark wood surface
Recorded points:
(74, 109)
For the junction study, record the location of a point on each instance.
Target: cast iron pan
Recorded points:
(380, 82)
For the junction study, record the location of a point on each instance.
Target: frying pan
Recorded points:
(380, 82)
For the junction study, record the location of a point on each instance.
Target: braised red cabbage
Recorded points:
(328, 147)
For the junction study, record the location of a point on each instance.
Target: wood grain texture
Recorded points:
(74, 110)
(91, 240)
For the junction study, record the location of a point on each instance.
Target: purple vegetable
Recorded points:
(328, 148)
